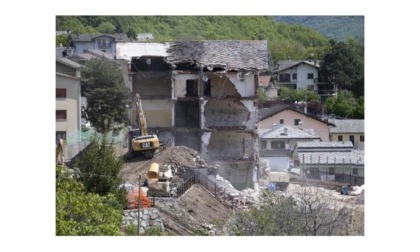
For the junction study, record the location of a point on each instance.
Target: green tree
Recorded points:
(343, 66)
(342, 105)
(293, 95)
(262, 95)
(106, 94)
(81, 213)
(308, 211)
(131, 33)
(99, 168)
(106, 27)
(62, 40)
(359, 110)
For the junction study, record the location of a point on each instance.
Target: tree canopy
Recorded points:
(106, 94)
(305, 212)
(343, 66)
(99, 167)
(345, 105)
(284, 40)
(81, 213)
(293, 95)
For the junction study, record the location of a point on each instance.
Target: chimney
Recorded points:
(300, 125)
(285, 131)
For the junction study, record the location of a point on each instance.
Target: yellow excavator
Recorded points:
(141, 141)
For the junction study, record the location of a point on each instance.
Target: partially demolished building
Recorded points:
(203, 95)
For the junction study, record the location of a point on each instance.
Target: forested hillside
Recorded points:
(339, 28)
(285, 40)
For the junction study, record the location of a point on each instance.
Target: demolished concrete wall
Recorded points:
(204, 95)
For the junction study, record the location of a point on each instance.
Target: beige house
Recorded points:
(283, 114)
(352, 130)
(68, 98)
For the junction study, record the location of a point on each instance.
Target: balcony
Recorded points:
(104, 45)
(288, 85)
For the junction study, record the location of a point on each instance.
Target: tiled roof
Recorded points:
(99, 53)
(235, 54)
(355, 157)
(324, 144)
(88, 37)
(347, 126)
(68, 62)
(85, 56)
(285, 131)
(268, 112)
(286, 64)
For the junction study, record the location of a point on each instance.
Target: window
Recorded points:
(60, 135)
(284, 77)
(263, 144)
(340, 137)
(362, 138)
(277, 145)
(103, 43)
(297, 121)
(331, 170)
(310, 87)
(61, 114)
(192, 88)
(207, 88)
(351, 139)
(294, 76)
(60, 93)
(354, 171)
(310, 75)
(281, 121)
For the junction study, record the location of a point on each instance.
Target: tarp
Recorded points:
(133, 199)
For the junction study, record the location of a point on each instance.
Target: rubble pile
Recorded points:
(231, 197)
(179, 157)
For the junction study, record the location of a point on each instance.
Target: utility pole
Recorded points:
(138, 209)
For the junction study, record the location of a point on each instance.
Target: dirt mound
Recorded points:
(170, 158)
(179, 157)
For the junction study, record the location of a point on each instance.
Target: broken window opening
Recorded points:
(192, 88)
(187, 114)
(207, 88)
(149, 63)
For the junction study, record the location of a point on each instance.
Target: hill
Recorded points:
(284, 40)
(339, 28)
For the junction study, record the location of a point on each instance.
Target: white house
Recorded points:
(298, 74)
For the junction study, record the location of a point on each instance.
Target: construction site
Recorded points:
(199, 201)
(192, 146)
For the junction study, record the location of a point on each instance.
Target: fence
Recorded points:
(342, 178)
(77, 141)
(200, 176)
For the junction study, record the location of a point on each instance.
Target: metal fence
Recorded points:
(200, 176)
(342, 178)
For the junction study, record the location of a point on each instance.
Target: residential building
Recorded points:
(284, 114)
(277, 143)
(298, 74)
(303, 74)
(202, 94)
(352, 130)
(334, 161)
(102, 42)
(68, 98)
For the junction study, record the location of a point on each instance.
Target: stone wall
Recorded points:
(149, 217)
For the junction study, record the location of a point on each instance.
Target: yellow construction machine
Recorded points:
(141, 141)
